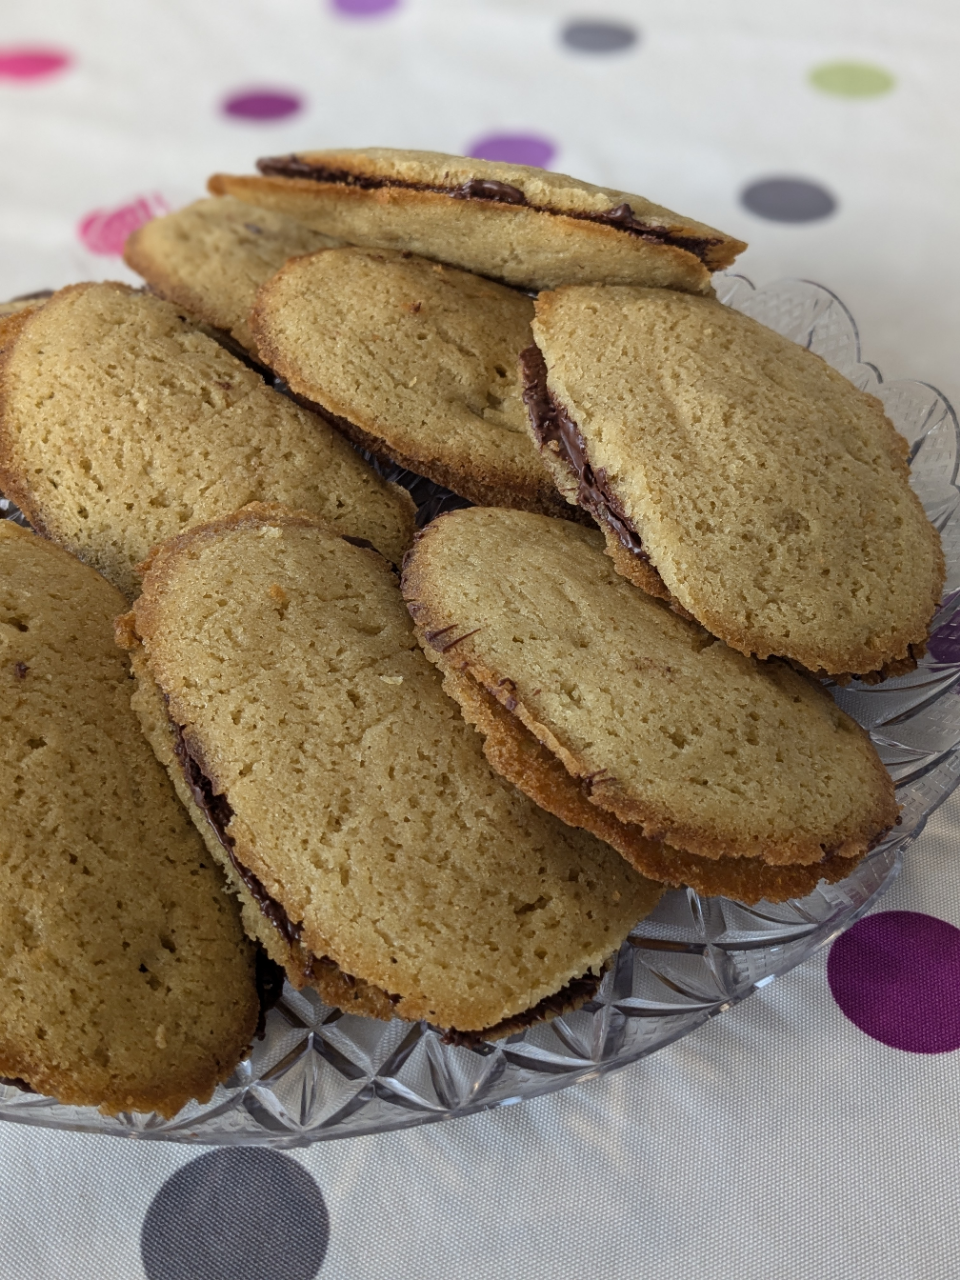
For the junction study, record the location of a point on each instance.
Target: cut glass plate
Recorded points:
(320, 1074)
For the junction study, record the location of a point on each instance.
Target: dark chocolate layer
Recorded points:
(622, 217)
(554, 428)
(217, 810)
(575, 994)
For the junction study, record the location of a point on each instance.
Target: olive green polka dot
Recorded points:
(852, 79)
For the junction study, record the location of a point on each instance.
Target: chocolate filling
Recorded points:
(217, 811)
(622, 217)
(575, 994)
(556, 430)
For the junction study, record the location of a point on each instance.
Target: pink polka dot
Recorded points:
(514, 148)
(105, 231)
(896, 976)
(262, 105)
(32, 62)
(364, 8)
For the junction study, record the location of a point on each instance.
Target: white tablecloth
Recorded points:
(780, 1140)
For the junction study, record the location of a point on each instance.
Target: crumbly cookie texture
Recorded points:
(516, 754)
(770, 495)
(667, 728)
(415, 361)
(127, 982)
(121, 424)
(516, 223)
(357, 795)
(212, 256)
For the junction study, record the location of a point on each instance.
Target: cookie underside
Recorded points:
(522, 225)
(387, 810)
(414, 361)
(212, 256)
(769, 494)
(127, 982)
(669, 729)
(121, 424)
(516, 754)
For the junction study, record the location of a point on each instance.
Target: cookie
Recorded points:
(665, 727)
(515, 223)
(344, 790)
(416, 362)
(126, 981)
(516, 754)
(121, 424)
(211, 258)
(27, 302)
(737, 474)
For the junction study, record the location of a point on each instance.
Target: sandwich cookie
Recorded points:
(378, 855)
(664, 726)
(516, 754)
(415, 362)
(515, 223)
(211, 258)
(126, 981)
(738, 475)
(121, 424)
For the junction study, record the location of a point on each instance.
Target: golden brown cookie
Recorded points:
(416, 362)
(515, 223)
(738, 474)
(122, 424)
(346, 791)
(125, 979)
(211, 258)
(666, 727)
(516, 754)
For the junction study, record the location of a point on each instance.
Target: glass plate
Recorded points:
(321, 1074)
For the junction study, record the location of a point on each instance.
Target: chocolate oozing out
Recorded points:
(268, 976)
(555, 429)
(16, 1082)
(622, 217)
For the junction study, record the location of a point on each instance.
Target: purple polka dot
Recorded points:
(262, 105)
(32, 63)
(788, 200)
(364, 8)
(587, 36)
(944, 644)
(896, 975)
(514, 148)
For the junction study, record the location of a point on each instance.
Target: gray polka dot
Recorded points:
(788, 200)
(238, 1214)
(598, 37)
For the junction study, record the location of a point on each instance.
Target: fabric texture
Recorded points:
(804, 1134)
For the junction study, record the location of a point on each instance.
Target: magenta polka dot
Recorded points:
(105, 231)
(32, 63)
(896, 975)
(262, 105)
(364, 8)
(514, 148)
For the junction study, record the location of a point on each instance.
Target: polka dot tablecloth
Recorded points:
(810, 1133)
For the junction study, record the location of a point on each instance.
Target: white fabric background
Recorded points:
(778, 1141)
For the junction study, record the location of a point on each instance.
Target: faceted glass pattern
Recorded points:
(319, 1073)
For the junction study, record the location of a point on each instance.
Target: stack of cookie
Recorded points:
(547, 350)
